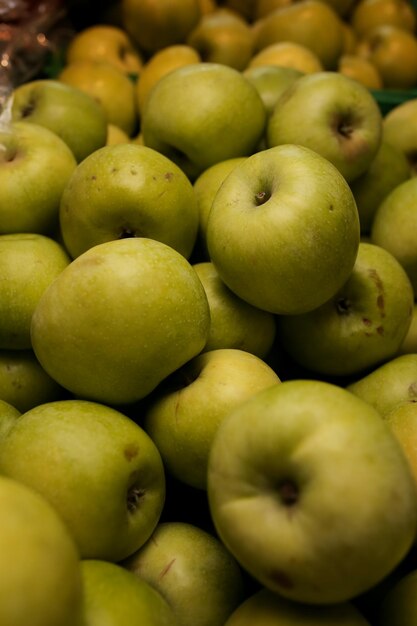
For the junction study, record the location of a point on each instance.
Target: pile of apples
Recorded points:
(208, 321)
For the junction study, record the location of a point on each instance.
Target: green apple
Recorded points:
(389, 384)
(40, 572)
(116, 135)
(184, 413)
(226, 119)
(29, 195)
(113, 596)
(192, 570)
(283, 230)
(109, 86)
(23, 382)
(409, 345)
(119, 319)
(398, 607)
(223, 36)
(332, 114)
(72, 114)
(394, 226)
(233, 322)
(388, 169)
(29, 263)
(108, 482)
(288, 54)
(8, 417)
(302, 478)
(271, 81)
(128, 190)
(361, 326)
(402, 419)
(400, 129)
(265, 608)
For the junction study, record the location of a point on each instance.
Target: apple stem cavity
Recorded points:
(343, 306)
(261, 197)
(127, 233)
(289, 492)
(134, 495)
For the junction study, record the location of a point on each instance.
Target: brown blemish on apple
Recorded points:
(169, 176)
(29, 107)
(94, 177)
(412, 390)
(366, 321)
(166, 569)
(280, 578)
(130, 451)
(134, 172)
(380, 330)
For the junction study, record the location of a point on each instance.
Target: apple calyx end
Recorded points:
(134, 496)
(289, 492)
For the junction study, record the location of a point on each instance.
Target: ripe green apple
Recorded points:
(184, 413)
(271, 81)
(40, 573)
(8, 417)
(332, 114)
(29, 263)
(394, 226)
(108, 482)
(400, 129)
(192, 570)
(128, 190)
(389, 384)
(388, 169)
(302, 478)
(113, 596)
(119, 319)
(361, 326)
(29, 195)
(265, 608)
(234, 323)
(399, 607)
(283, 230)
(73, 115)
(226, 119)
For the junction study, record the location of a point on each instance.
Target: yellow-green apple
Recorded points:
(114, 596)
(368, 14)
(119, 319)
(388, 384)
(128, 190)
(109, 86)
(409, 345)
(184, 413)
(108, 483)
(360, 69)
(8, 417)
(29, 195)
(226, 120)
(105, 42)
(160, 63)
(223, 37)
(400, 129)
(361, 326)
(192, 570)
(153, 26)
(311, 23)
(29, 263)
(388, 169)
(398, 606)
(394, 226)
(266, 608)
(350, 39)
(116, 135)
(66, 110)
(288, 54)
(234, 323)
(270, 81)
(332, 114)
(40, 572)
(23, 382)
(277, 468)
(281, 245)
(402, 419)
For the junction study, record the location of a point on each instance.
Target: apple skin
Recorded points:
(72, 114)
(108, 484)
(265, 608)
(184, 413)
(227, 118)
(409, 345)
(399, 129)
(40, 574)
(283, 245)
(288, 54)
(114, 596)
(128, 190)
(30, 196)
(332, 114)
(361, 326)
(8, 417)
(270, 81)
(274, 487)
(402, 419)
(119, 319)
(192, 570)
(398, 607)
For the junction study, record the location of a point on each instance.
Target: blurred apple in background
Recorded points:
(270, 81)
(184, 412)
(192, 570)
(116, 135)
(350, 39)
(361, 326)
(123, 316)
(272, 228)
(115, 596)
(69, 112)
(360, 69)
(278, 466)
(233, 322)
(399, 605)
(226, 120)
(29, 195)
(368, 14)
(332, 114)
(400, 129)
(288, 54)
(128, 190)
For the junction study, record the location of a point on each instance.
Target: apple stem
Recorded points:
(261, 197)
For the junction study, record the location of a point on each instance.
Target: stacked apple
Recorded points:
(208, 363)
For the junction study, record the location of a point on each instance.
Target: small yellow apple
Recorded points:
(367, 14)
(360, 69)
(288, 54)
(350, 38)
(116, 135)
